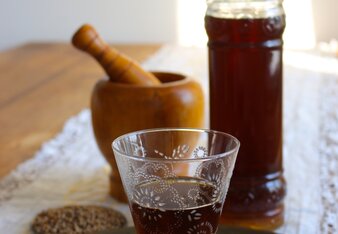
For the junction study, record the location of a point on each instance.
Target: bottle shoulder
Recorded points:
(266, 32)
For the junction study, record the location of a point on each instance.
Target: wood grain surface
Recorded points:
(41, 86)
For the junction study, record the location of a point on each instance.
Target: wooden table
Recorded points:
(41, 86)
(34, 107)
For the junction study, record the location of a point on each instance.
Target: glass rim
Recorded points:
(201, 130)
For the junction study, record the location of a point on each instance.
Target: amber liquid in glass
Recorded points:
(245, 65)
(166, 213)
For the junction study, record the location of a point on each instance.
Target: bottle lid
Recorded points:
(240, 9)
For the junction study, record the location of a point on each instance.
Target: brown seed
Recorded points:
(77, 219)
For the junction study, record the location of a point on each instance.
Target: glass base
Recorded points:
(221, 230)
(268, 221)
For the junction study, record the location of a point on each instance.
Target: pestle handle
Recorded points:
(118, 67)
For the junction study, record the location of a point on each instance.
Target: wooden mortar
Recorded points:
(121, 108)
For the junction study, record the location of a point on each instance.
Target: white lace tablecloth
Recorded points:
(69, 168)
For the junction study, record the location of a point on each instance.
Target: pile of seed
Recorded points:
(77, 219)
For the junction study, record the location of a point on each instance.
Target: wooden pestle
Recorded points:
(118, 67)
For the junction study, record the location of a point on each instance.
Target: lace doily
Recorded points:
(310, 121)
(69, 168)
(328, 149)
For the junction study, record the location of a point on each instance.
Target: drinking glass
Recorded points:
(176, 180)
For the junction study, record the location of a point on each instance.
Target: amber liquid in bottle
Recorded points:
(245, 65)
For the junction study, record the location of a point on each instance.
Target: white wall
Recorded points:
(148, 21)
(127, 21)
(325, 14)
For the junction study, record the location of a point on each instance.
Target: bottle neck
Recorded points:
(244, 9)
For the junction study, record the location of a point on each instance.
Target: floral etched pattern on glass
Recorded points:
(176, 180)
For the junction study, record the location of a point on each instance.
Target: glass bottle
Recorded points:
(245, 71)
